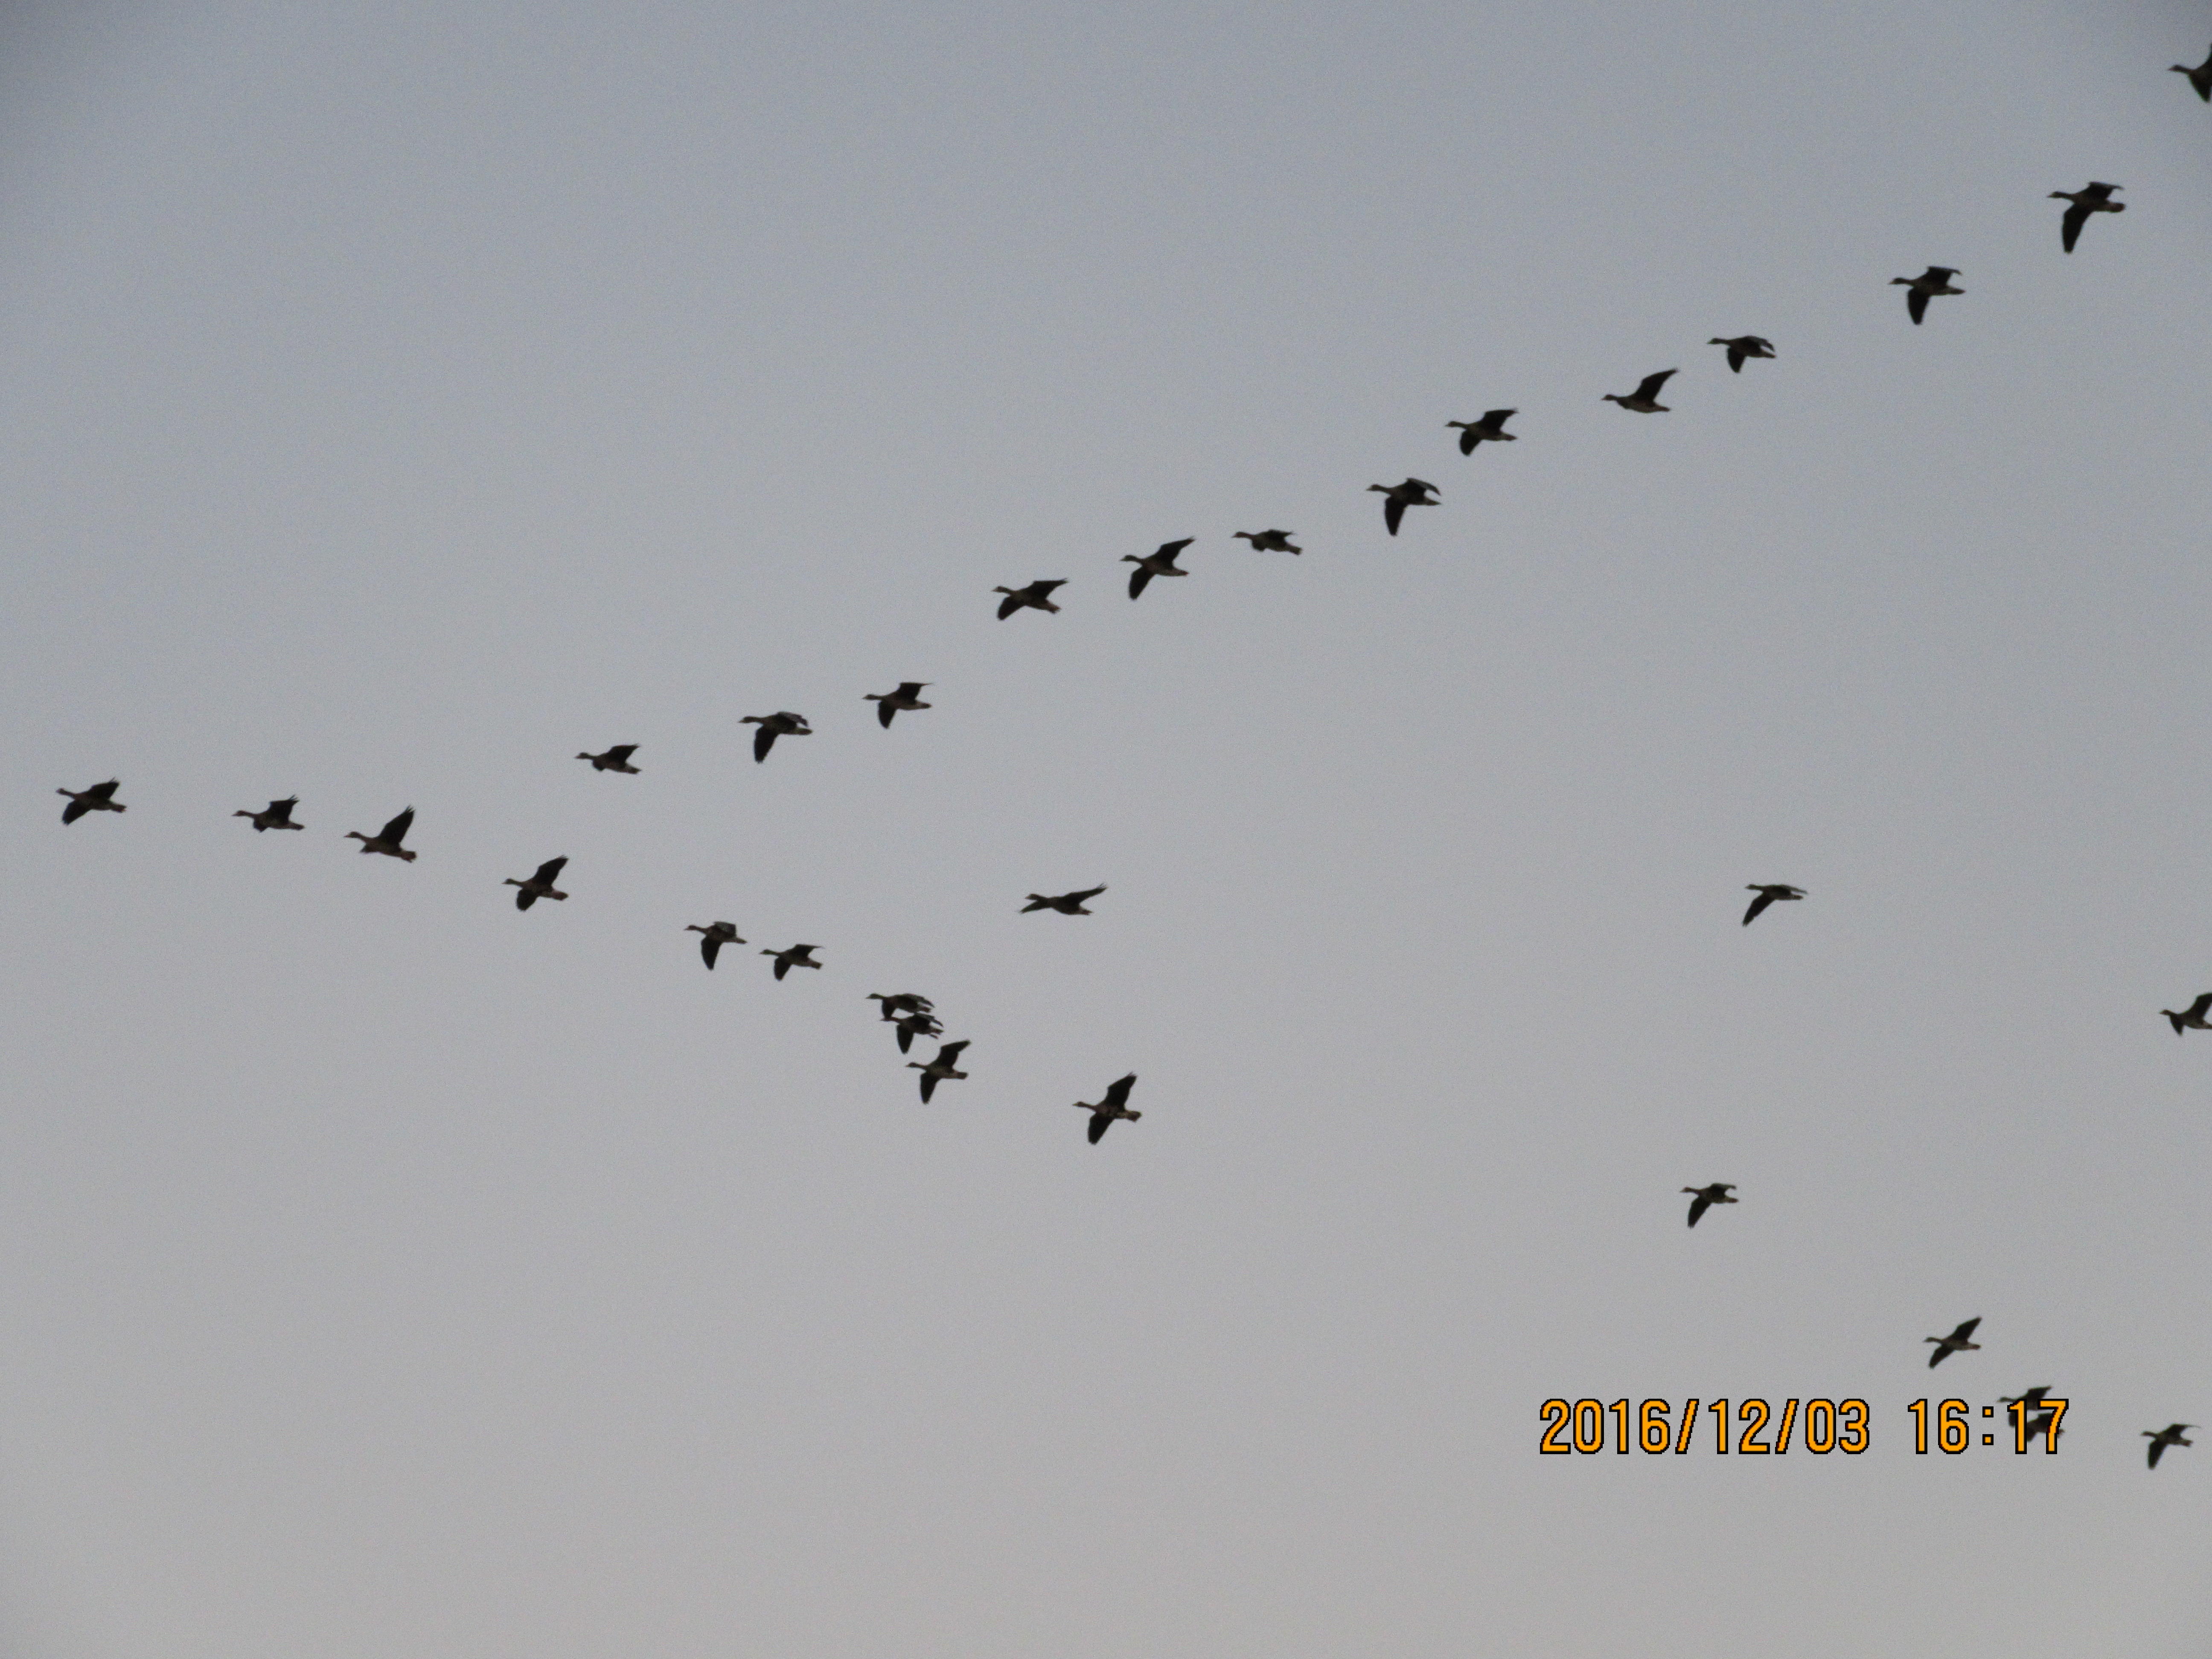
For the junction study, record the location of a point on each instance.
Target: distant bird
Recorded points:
(386, 841)
(100, 798)
(1068, 904)
(278, 815)
(617, 759)
(2092, 198)
(1037, 596)
(939, 1069)
(540, 885)
(904, 1002)
(1644, 400)
(914, 1025)
(799, 955)
(1947, 1345)
(888, 703)
(2168, 1436)
(2046, 1424)
(1936, 279)
(2032, 1398)
(1769, 893)
(2200, 77)
(1704, 1198)
(1397, 498)
(1116, 1104)
(715, 937)
(1268, 541)
(1490, 428)
(2192, 1015)
(1743, 346)
(1160, 562)
(782, 723)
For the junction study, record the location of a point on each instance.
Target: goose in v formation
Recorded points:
(715, 936)
(900, 1002)
(1957, 1342)
(943, 1068)
(888, 703)
(2168, 1436)
(1490, 429)
(782, 723)
(2200, 78)
(1743, 346)
(1704, 1198)
(1068, 904)
(278, 815)
(617, 759)
(1160, 563)
(540, 884)
(1769, 893)
(386, 841)
(1114, 1105)
(2092, 198)
(1936, 279)
(1037, 596)
(100, 798)
(1397, 498)
(798, 955)
(2192, 1016)
(1268, 541)
(910, 1026)
(1644, 400)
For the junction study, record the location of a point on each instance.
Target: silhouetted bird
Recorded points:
(940, 1069)
(1644, 400)
(386, 841)
(799, 955)
(278, 815)
(782, 723)
(2168, 1436)
(1268, 541)
(1161, 562)
(1068, 904)
(1490, 429)
(903, 1002)
(714, 937)
(1936, 279)
(1704, 1198)
(540, 885)
(617, 759)
(2193, 1015)
(1116, 1104)
(1955, 1343)
(1743, 346)
(2092, 198)
(1397, 498)
(1769, 894)
(888, 703)
(1037, 596)
(100, 798)
(2200, 77)
(911, 1026)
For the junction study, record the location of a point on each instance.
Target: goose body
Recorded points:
(1068, 904)
(1936, 279)
(713, 937)
(2200, 78)
(1037, 596)
(888, 703)
(1397, 498)
(1644, 400)
(1957, 1342)
(1743, 346)
(782, 723)
(903, 1002)
(943, 1068)
(100, 798)
(911, 1026)
(798, 955)
(617, 759)
(1114, 1105)
(2192, 1016)
(1490, 429)
(1268, 541)
(2168, 1436)
(1160, 562)
(1769, 893)
(540, 885)
(2092, 198)
(278, 815)
(1704, 1198)
(386, 841)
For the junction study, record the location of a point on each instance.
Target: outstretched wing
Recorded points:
(1699, 1206)
(523, 899)
(928, 1086)
(1965, 1331)
(396, 831)
(1757, 905)
(1916, 303)
(884, 712)
(1138, 578)
(2197, 1009)
(1393, 508)
(1169, 549)
(949, 1054)
(550, 871)
(1087, 894)
(1008, 606)
(2156, 1447)
(1118, 1095)
(1467, 440)
(1936, 1359)
(709, 948)
(2071, 226)
(1736, 358)
(782, 962)
(1495, 419)
(1100, 1123)
(74, 810)
(763, 740)
(1653, 382)
(620, 754)
(104, 791)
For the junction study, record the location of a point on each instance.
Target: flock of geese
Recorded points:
(912, 1015)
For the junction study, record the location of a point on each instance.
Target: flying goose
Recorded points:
(1116, 1104)
(2168, 1436)
(914, 1025)
(939, 1068)
(1397, 498)
(1490, 428)
(2192, 1015)
(888, 703)
(540, 885)
(1161, 562)
(1947, 1345)
(1743, 346)
(2044, 1423)
(1644, 400)
(1936, 279)
(278, 815)
(1704, 1198)
(617, 759)
(2200, 77)
(100, 798)
(715, 937)
(904, 1002)
(1768, 894)
(2092, 198)
(2032, 1398)
(386, 841)
(799, 955)
(1268, 541)
(1068, 904)
(1037, 596)
(782, 723)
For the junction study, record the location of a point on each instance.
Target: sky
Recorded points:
(399, 402)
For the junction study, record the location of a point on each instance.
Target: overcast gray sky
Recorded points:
(398, 402)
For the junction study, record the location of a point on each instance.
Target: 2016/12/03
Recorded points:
(1821, 1426)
